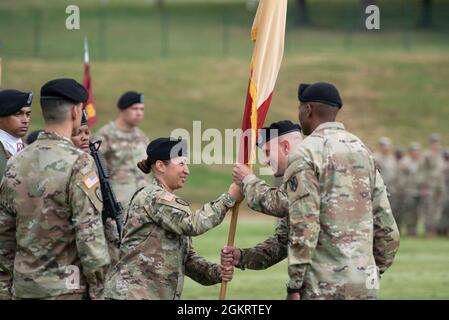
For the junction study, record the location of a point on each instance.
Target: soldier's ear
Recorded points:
(160, 166)
(309, 110)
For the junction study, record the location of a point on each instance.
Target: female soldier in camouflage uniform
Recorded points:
(156, 250)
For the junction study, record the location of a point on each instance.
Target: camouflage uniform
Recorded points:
(157, 250)
(444, 222)
(122, 150)
(411, 171)
(4, 156)
(273, 249)
(5, 276)
(342, 231)
(388, 167)
(434, 189)
(51, 234)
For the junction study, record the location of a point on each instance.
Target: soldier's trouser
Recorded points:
(443, 226)
(432, 208)
(398, 208)
(5, 284)
(411, 216)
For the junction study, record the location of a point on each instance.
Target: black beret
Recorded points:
(33, 136)
(322, 92)
(161, 149)
(84, 119)
(276, 129)
(64, 89)
(12, 101)
(129, 98)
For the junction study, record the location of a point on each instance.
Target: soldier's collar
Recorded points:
(51, 135)
(330, 125)
(156, 182)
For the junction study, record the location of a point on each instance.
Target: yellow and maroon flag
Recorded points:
(89, 106)
(268, 35)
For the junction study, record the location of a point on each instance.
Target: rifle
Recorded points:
(111, 207)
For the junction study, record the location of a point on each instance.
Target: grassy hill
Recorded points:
(401, 95)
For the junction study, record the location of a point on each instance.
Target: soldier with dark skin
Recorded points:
(341, 232)
(156, 250)
(81, 135)
(81, 138)
(52, 241)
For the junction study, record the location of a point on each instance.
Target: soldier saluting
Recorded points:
(52, 239)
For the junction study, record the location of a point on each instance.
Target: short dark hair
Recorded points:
(56, 111)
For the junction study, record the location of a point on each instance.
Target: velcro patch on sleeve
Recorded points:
(167, 196)
(91, 180)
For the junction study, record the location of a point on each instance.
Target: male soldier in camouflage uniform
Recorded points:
(400, 186)
(341, 229)
(434, 188)
(387, 165)
(411, 182)
(123, 145)
(15, 110)
(51, 235)
(156, 249)
(276, 142)
(444, 222)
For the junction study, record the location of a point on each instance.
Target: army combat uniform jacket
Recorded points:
(341, 232)
(157, 251)
(51, 234)
(5, 278)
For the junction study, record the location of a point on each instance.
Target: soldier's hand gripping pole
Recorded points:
(231, 238)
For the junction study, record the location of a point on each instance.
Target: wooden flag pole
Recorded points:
(233, 226)
(231, 238)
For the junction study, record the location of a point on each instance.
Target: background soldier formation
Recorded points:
(418, 185)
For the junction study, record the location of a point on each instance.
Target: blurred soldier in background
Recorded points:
(123, 145)
(411, 174)
(400, 183)
(387, 165)
(434, 188)
(444, 223)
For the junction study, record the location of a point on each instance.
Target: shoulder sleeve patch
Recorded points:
(90, 180)
(182, 202)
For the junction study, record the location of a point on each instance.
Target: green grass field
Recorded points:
(420, 270)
